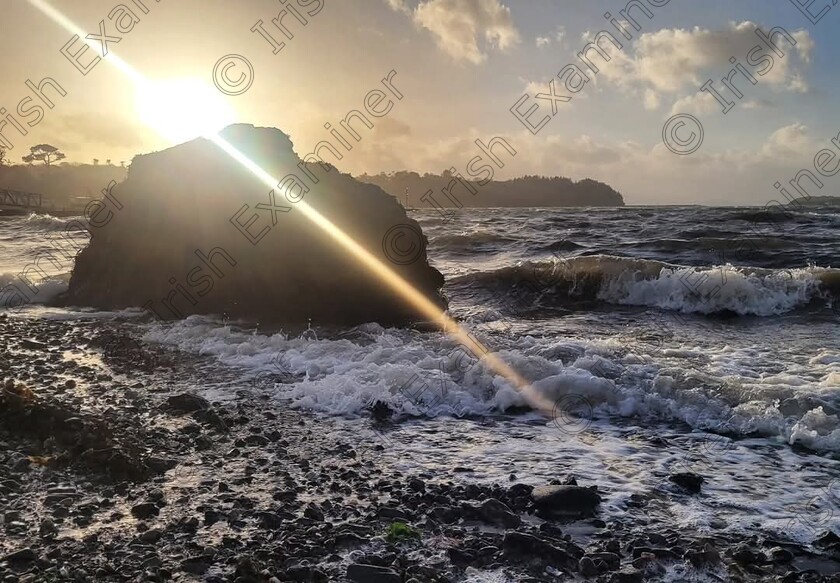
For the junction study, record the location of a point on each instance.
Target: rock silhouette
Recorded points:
(194, 231)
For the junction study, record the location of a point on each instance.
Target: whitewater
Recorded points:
(684, 326)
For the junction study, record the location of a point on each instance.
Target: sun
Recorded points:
(184, 108)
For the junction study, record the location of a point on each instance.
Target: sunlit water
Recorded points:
(671, 339)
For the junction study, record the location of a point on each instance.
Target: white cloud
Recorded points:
(460, 27)
(698, 103)
(399, 5)
(559, 37)
(651, 100)
(757, 104)
(671, 60)
(791, 141)
(644, 174)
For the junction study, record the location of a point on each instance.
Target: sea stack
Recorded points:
(192, 230)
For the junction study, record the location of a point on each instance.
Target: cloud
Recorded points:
(757, 104)
(559, 38)
(791, 141)
(389, 128)
(465, 29)
(699, 103)
(398, 5)
(644, 174)
(77, 132)
(672, 60)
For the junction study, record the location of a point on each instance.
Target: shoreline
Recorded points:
(183, 489)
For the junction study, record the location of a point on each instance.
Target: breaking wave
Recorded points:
(14, 292)
(426, 375)
(640, 282)
(46, 222)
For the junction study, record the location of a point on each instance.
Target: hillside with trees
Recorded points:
(63, 185)
(527, 191)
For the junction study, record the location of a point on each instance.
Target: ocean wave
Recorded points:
(14, 292)
(562, 245)
(462, 240)
(427, 375)
(723, 244)
(773, 215)
(641, 282)
(46, 222)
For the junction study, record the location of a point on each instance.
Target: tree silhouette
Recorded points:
(3, 158)
(44, 153)
(96, 161)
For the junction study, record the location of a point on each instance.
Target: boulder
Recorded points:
(687, 481)
(361, 573)
(566, 501)
(193, 231)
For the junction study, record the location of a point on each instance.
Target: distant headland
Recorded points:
(73, 185)
(816, 201)
(453, 191)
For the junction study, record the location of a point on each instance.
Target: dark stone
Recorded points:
(305, 573)
(627, 575)
(144, 510)
(702, 558)
(827, 540)
(211, 517)
(159, 465)
(180, 210)
(445, 514)
(381, 411)
(21, 556)
(270, 520)
(392, 513)
(568, 501)
(494, 512)
(32, 344)
(780, 555)
(259, 440)
(688, 481)
(587, 567)
(520, 490)
(611, 561)
(47, 528)
(745, 555)
(187, 403)
(195, 565)
(314, 513)
(527, 546)
(151, 536)
(372, 574)
(460, 557)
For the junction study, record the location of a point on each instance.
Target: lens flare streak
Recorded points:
(387, 275)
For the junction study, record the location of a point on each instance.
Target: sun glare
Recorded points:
(183, 109)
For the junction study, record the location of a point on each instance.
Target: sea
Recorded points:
(670, 339)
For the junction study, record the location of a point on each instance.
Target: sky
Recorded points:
(457, 68)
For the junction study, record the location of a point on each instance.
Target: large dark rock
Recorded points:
(372, 574)
(175, 247)
(565, 501)
(688, 481)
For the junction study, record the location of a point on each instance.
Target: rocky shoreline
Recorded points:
(114, 467)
